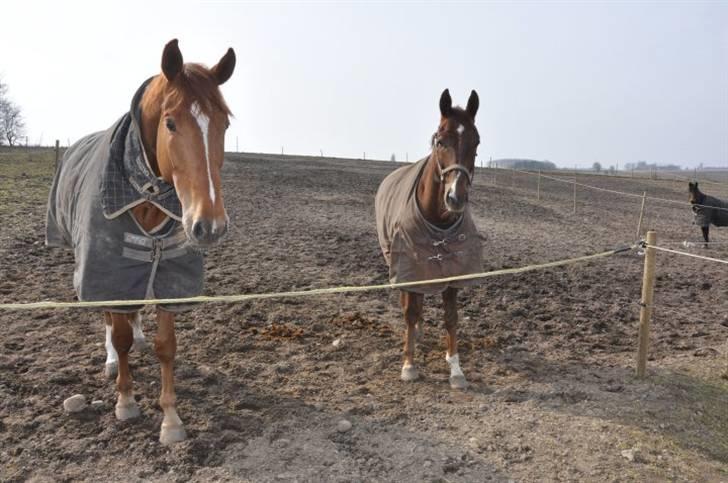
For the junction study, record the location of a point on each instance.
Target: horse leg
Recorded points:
(165, 345)
(111, 368)
(450, 301)
(706, 231)
(121, 338)
(412, 308)
(140, 343)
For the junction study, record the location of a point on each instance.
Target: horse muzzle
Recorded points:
(455, 203)
(205, 233)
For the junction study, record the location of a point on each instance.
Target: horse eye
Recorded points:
(169, 122)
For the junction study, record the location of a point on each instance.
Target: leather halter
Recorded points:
(455, 167)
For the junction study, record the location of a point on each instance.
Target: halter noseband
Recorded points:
(454, 167)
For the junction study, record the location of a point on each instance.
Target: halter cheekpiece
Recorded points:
(455, 167)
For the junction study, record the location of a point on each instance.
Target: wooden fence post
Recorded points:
(642, 214)
(58, 152)
(648, 291)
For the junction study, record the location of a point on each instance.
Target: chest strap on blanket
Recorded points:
(160, 249)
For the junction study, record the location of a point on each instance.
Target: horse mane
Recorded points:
(195, 82)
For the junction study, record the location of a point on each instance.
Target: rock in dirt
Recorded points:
(75, 403)
(281, 443)
(97, 404)
(343, 426)
(632, 455)
(336, 343)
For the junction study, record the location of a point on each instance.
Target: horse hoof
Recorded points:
(126, 411)
(409, 373)
(111, 369)
(458, 382)
(172, 434)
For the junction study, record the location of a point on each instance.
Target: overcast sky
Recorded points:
(570, 82)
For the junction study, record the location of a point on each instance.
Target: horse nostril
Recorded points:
(452, 197)
(200, 230)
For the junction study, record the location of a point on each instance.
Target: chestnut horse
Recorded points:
(178, 122)
(437, 238)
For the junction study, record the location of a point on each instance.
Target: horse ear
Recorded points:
(445, 103)
(224, 69)
(473, 104)
(172, 62)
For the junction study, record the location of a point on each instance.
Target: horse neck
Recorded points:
(146, 214)
(431, 196)
(151, 107)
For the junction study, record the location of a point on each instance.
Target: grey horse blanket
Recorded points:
(98, 181)
(712, 210)
(414, 248)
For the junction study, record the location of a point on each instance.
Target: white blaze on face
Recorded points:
(451, 187)
(204, 123)
(461, 129)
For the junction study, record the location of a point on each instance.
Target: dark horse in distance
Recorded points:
(708, 210)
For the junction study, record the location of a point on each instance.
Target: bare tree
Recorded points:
(12, 125)
(597, 167)
(3, 100)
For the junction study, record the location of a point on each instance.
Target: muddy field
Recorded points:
(261, 387)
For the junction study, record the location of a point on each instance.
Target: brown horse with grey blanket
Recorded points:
(137, 203)
(425, 228)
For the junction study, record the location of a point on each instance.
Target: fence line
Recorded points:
(689, 243)
(691, 255)
(669, 177)
(623, 193)
(311, 292)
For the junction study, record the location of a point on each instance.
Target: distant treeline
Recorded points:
(645, 166)
(529, 164)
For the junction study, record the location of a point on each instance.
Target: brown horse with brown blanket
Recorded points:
(425, 228)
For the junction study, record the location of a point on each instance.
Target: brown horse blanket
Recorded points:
(712, 210)
(414, 248)
(98, 181)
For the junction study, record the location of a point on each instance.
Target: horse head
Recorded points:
(696, 197)
(455, 146)
(184, 118)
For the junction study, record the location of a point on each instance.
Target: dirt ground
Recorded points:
(261, 387)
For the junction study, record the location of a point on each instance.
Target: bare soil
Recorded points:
(550, 354)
